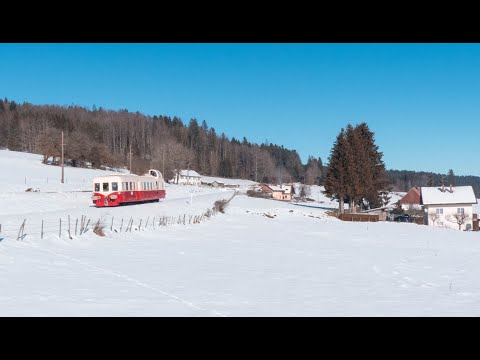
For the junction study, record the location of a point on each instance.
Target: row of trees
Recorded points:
(404, 180)
(104, 138)
(356, 172)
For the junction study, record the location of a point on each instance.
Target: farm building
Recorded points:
(187, 177)
(411, 200)
(282, 192)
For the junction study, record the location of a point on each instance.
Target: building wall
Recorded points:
(188, 180)
(278, 195)
(411, 206)
(450, 210)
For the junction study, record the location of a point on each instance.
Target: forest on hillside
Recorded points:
(404, 180)
(104, 138)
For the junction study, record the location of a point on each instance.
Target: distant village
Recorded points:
(440, 206)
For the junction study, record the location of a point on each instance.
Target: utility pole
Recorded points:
(62, 160)
(130, 158)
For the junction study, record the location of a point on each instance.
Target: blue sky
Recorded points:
(421, 100)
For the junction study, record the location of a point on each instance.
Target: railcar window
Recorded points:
(114, 186)
(97, 186)
(105, 186)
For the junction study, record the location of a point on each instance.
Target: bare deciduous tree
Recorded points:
(459, 219)
(49, 144)
(433, 216)
(304, 191)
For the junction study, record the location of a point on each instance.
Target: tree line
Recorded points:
(103, 138)
(404, 180)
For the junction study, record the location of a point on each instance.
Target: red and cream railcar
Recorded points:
(114, 190)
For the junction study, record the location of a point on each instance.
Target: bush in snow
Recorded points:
(98, 228)
(220, 205)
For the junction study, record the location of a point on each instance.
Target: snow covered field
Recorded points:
(260, 258)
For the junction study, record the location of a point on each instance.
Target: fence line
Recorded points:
(52, 227)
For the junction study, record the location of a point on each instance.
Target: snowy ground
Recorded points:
(260, 258)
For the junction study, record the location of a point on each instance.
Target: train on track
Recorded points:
(115, 190)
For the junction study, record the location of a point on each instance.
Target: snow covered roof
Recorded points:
(459, 195)
(273, 187)
(191, 173)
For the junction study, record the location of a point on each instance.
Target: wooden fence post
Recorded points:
(41, 234)
(81, 225)
(21, 229)
(121, 226)
(76, 223)
(153, 223)
(140, 225)
(148, 218)
(60, 228)
(69, 234)
(111, 226)
(86, 226)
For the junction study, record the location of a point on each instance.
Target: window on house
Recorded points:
(97, 187)
(105, 187)
(439, 223)
(460, 211)
(114, 186)
(439, 211)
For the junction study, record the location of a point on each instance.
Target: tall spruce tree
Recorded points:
(451, 177)
(336, 172)
(374, 178)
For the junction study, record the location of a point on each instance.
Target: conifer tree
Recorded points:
(451, 177)
(335, 175)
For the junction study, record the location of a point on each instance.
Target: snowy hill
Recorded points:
(260, 258)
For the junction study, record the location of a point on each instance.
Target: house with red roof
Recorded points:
(412, 199)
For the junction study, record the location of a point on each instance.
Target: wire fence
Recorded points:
(69, 227)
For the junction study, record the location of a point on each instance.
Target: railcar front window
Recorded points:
(97, 187)
(105, 187)
(114, 186)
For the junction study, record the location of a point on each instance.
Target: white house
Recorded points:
(449, 207)
(188, 177)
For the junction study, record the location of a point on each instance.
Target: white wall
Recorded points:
(450, 210)
(187, 180)
(411, 206)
